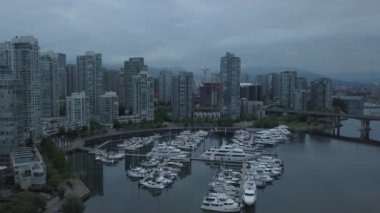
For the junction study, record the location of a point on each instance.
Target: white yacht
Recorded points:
(137, 172)
(152, 184)
(165, 151)
(227, 153)
(220, 202)
(249, 196)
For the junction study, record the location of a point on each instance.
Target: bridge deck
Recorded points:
(328, 114)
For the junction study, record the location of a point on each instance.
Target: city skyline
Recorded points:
(284, 34)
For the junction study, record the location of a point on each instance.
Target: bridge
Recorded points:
(365, 119)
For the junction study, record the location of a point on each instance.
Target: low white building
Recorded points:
(29, 168)
(77, 110)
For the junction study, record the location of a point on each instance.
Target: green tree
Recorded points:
(57, 166)
(25, 202)
(116, 124)
(72, 204)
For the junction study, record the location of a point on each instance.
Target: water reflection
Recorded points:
(89, 170)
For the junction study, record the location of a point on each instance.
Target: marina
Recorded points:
(120, 193)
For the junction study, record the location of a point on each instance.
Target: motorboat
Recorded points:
(152, 184)
(249, 195)
(227, 153)
(220, 203)
(137, 172)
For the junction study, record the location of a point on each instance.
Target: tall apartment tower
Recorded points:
(165, 86)
(50, 84)
(72, 79)
(230, 86)
(321, 94)
(182, 106)
(274, 86)
(288, 81)
(90, 71)
(121, 89)
(263, 80)
(301, 83)
(298, 100)
(77, 109)
(62, 75)
(111, 80)
(21, 56)
(131, 67)
(12, 114)
(109, 107)
(143, 100)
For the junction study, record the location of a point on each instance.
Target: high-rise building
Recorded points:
(21, 56)
(12, 114)
(270, 86)
(263, 80)
(142, 90)
(50, 84)
(156, 89)
(109, 107)
(111, 80)
(165, 86)
(298, 100)
(321, 94)
(72, 79)
(61, 69)
(122, 88)
(209, 95)
(274, 86)
(288, 81)
(77, 110)
(6, 55)
(251, 92)
(182, 106)
(301, 83)
(229, 104)
(131, 67)
(90, 71)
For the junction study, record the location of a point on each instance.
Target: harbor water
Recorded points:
(320, 175)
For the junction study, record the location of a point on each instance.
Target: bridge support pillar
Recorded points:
(338, 124)
(364, 130)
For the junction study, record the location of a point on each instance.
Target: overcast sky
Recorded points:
(341, 36)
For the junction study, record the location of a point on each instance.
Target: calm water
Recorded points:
(351, 126)
(321, 175)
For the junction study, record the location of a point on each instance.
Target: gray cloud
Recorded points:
(341, 36)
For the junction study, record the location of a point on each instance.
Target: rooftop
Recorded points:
(24, 155)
